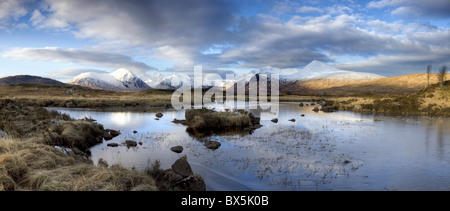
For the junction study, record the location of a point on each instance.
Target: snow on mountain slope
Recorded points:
(119, 80)
(319, 70)
(174, 81)
(153, 79)
(130, 80)
(98, 81)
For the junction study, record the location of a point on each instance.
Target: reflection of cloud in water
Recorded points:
(125, 118)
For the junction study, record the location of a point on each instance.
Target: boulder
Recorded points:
(159, 115)
(114, 133)
(107, 136)
(301, 104)
(171, 177)
(292, 120)
(212, 145)
(316, 109)
(275, 120)
(182, 167)
(177, 149)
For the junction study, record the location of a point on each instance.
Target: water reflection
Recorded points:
(333, 151)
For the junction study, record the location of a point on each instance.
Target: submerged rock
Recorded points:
(112, 145)
(212, 144)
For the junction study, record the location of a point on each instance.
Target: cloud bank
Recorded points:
(388, 37)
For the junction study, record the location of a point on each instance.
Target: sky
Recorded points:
(63, 38)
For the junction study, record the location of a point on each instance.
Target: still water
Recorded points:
(319, 151)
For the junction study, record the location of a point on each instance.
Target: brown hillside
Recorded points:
(403, 84)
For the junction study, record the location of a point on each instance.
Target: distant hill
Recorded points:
(403, 84)
(29, 79)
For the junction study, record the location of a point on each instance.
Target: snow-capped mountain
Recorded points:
(319, 70)
(119, 80)
(314, 76)
(174, 81)
(131, 81)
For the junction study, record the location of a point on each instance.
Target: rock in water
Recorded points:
(131, 143)
(177, 149)
(114, 133)
(112, 145)
(212, 145)
(182, 167)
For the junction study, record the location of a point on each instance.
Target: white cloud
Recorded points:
(101, 59)
(306, 9)
(415, 8)
(12, 9)
(69, 73)
(186, 26)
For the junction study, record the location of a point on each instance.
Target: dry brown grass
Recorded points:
(25, 165)
(57, 96)
(29, 160)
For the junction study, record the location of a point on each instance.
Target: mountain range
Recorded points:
(314, 76)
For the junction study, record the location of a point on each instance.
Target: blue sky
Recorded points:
(63, 38)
